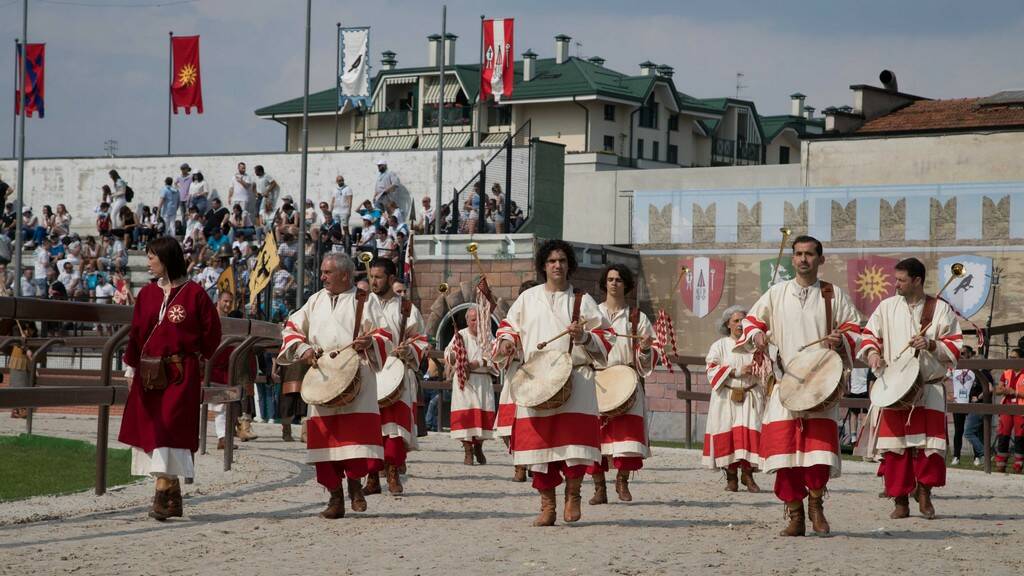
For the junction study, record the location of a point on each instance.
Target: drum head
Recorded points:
(895, 380)
(811, 378)
(615, 386)
(390, 377)
(330, 378)
(540, 377)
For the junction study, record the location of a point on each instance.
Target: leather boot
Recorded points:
(221, 444)
(478, 451)
(161, 501)
(335, 506)
(467, 456)
(795, 513)
(573, 501)
(747, 478)
(924, 501)
(245, 429)
(402, 470)
(394, 481)
(372, 483)
(622, 486)
(816, 512)
(1001, 466)
(286, 433)
(355, 493)
(520, 474)
(600, 490)
(547, 509)
(174, 508)
(732, 481)
(901, 508)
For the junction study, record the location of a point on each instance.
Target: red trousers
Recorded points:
(739, 464)
(553, 477)
(903, 472)
(792, 484)
(394, 454)
(625, 463)
(330, 474)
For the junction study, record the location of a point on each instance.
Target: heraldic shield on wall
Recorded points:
(701, 288)
(968, 293)
(870, 280)
(767, 268)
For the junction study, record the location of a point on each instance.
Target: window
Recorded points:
(654, 150)
(742, 118)
(609, 112)
(673, 154)
(673, 123)
(639, 147)
(783, 154)
(649, 114)
(609, 143)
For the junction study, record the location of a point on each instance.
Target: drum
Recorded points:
(543, 382)
(291, 377)
(334, 382)
(616, 390)
(899, 384)
(812, 381)
(390, 382)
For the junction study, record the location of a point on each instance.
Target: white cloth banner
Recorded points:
(354, 75)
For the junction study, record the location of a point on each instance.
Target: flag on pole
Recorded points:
(266, 262)
(186, 84)
(226, 282)
(354, 74)
(35, 60)
(496, 75)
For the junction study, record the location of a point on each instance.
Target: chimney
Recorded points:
(596, 60)
(796, 102)
(388, 61)
(561, 48)
(432, 46)
(647, 68)
(665, 71)
(529, 65)
(449, 49)
(888, 79)
(809, 112)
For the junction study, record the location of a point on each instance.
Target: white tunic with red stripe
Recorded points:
(571, 432)
(326, 322)
(626, 435)
(892, 325)
(506, 412)
(473, 400)
(733, 430)
(399, 419)
(791, 316)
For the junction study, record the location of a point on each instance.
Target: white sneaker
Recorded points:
(955, 462)
(977, 462)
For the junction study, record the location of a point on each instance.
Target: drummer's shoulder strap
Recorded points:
(360, 302)
(406, 312)
(929, 310)
(634, 321)
(577, 296)
(828, 292)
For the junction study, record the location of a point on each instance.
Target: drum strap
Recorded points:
(360, 302)
(929, 311)
(827, 293)
(406, 312)
(577, 300)
(634, 329)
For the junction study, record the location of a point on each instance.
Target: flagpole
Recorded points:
(440, 114)
(300, 263)
(170, 85)
(14, 115)
(480, 92)
(337, 84)
(19, 200)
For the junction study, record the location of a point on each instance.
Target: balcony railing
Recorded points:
(461, 116)
(395, 119)
(730, 152)
(748, 153)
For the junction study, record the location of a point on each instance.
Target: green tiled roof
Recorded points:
(774, 124)
(720, 104)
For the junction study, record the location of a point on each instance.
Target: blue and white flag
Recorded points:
(354, 60)
(968, 293)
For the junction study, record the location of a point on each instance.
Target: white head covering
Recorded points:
(382, 162)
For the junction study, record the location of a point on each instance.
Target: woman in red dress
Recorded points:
(174, 324)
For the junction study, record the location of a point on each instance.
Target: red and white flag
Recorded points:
(496, 75)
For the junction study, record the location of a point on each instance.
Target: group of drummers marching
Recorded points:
(573, 400)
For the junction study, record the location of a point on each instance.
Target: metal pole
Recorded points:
(300, 264)
(508, 186)
(19, 198)
(991, 310)
(337, 83)
(170, 86)
(480, 93)
(14, 116)
(481, 198)
(440, 108)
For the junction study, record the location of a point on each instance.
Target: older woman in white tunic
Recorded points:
(472, 417)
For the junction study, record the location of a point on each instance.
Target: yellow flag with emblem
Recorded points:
(266, 262)
(226, 282)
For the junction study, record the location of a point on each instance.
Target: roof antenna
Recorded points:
(579, 49)
(739, 83)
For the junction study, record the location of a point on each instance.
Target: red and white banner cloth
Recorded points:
(733, 430)
(473, 394)
(665, 334)
(398, 420)
(497, 76)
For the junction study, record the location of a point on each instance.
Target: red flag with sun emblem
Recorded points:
(186, 84)
(871, 280)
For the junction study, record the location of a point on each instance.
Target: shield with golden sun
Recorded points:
(870, 280)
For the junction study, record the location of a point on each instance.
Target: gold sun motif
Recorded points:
(872, 283)
(187, 75)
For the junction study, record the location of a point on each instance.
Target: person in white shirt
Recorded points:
(41, 266)
(386, 187)
(266, 191)
(118, 199)
(425, 223)
(243, 191)
(71, 280)
(198, 193)
(341, 204)
(28, 286)
(104, 290)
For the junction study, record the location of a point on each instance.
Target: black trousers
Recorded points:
(958, 433)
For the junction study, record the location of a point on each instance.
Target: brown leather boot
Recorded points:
(600, 490)
(244, 429)
(355, 493)
(795, 513)
(221, 444)
(286, 433)
(816, 512)
(335, 506)
(394, 481)
(747, 478)
(924, 501)
(901, 508)
(174, 508)
(161, 501)
(547, 509)
(732, 481)
(573, 501)
(622, 486)
(372, 484)
(467, 453)
(520, 474)
(1000, 467)
(478, 451)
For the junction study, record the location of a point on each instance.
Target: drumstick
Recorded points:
(820, 340)
(920, 333)
(541, 345)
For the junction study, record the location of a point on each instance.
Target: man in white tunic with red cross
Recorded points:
(802, 449)
(912, 441)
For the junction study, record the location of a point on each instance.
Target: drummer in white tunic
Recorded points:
(561, 441)
(911, 438)
(472, 417)
(801, 448)
(342, 442)
(507, 407)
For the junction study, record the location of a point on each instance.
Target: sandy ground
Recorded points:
(260, 518)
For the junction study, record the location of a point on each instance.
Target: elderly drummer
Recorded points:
(910, 430)
(343, 442)
(473, 410)
(560, 441)
(398, 419)
(732, 438)
(624, 439)
(801, 448)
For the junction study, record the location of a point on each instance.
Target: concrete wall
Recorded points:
(560, 122)
(321, 132)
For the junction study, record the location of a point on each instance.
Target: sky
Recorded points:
(107, 60)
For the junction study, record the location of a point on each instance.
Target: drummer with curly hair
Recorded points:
(910, 342)
(560, 439)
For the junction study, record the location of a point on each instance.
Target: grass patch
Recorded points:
(33, 465)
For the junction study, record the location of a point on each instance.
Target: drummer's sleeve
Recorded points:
(293, 337)
(602, 338)
(417, 340)
(756, 322)
(648, 361)
(847, 319)
(949, 337)
(380, 336)
(871, 335)
(508, 329)
(717, 370)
